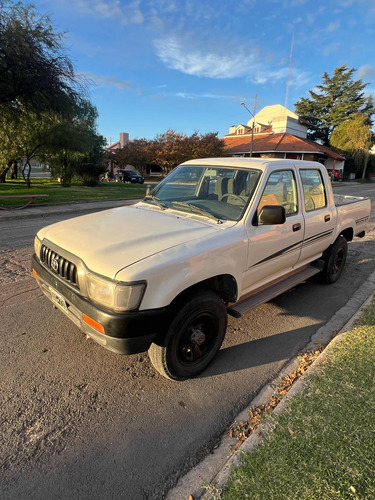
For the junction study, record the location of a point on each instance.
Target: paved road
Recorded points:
(77, 421)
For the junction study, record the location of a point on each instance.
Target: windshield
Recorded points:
(219, 192)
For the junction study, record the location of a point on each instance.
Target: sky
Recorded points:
(186, 65)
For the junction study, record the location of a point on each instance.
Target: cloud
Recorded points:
(109, 81)
(333, 27)
(365, 70)
(230, 59)
(331, 48)
(193, 96)
(127, 14)
(196, 57)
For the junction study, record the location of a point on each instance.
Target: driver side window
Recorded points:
(280, 190)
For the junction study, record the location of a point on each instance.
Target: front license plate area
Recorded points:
(58, 299)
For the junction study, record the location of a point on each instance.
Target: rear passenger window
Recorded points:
(313, 188)
(280, 190)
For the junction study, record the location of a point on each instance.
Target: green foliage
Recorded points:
(34, 71)
(334, 101)
(353, 136)
(43, 109)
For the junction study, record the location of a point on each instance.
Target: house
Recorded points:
(124, 139)
(279, 133)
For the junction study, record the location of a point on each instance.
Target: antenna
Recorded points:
(256, 99)
(289, 73)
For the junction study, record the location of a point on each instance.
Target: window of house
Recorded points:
(280, 190)
(313, 189)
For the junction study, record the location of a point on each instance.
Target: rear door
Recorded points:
(318, 214)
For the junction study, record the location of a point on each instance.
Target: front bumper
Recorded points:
(124, 333)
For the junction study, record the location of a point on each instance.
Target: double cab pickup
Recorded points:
(217, 236)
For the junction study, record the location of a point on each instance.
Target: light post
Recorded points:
(252, 129)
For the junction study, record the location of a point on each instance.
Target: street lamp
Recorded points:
(252, 129)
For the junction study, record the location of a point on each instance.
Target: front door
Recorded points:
(275, 249)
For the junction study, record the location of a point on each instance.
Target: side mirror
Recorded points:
(271, 214)
(148, 189)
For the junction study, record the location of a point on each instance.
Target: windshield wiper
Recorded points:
(199, 210)
(156, 201)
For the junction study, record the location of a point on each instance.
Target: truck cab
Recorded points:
(216, 236)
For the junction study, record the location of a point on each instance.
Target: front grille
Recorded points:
(59, 265)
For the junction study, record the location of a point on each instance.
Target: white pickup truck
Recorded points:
(216, 236)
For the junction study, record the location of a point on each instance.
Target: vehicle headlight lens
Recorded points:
(37, 246)
(115, 295)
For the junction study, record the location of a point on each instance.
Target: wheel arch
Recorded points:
(347, 233)
(225, 285)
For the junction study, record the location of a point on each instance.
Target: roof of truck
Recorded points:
(260, 163)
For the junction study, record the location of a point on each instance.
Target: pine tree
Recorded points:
(333, 102)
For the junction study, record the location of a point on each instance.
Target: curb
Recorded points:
(216, 467)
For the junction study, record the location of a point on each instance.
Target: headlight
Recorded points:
(37, 246)
(115, 295)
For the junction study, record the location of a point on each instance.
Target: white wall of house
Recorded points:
(330, 164)
(290, 125)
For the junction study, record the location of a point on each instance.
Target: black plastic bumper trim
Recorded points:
(125, 333)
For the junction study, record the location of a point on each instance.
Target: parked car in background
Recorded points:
(336, 175)
(131, 176)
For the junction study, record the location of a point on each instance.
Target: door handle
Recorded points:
(327, 218)
(296, 227)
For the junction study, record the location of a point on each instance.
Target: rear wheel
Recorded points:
(193, 338)
(334, 258)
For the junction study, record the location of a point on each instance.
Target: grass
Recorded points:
(323, 446)
(59, 194)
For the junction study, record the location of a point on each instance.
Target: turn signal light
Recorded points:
(93, 323)
(35, 274)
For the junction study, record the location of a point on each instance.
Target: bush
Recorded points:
(90, 173)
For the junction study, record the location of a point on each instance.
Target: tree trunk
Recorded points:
(3, 174)
(365, 165)
(26, 171)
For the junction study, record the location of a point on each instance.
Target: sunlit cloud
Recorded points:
(195, 58)
(230, 60)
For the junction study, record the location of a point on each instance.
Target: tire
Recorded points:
(193, 337)
(334, 258)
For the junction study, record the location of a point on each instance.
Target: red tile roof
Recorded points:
(281, 143)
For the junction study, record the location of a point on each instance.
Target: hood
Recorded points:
(111, 240)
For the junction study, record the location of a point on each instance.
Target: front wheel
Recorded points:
(334, 258)
(193, 337)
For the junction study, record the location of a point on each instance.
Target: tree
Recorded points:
(73, 140)
(136, 153)
(92, 164)
(36, 78)
(353, 136)
(334, 101)
(172, 148)
(34, 72)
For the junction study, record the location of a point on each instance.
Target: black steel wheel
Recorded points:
(193, 338)
(334, 258)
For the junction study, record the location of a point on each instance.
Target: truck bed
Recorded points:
(342, 199)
